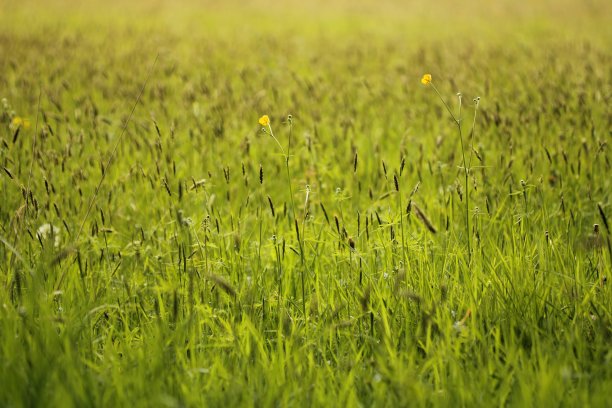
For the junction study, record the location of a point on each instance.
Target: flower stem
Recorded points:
(466, 170)
(292, 202)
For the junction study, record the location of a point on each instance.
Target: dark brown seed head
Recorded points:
(421, 215)
(271, 206)
(222, 283)
(365, 300)
(603, 217)
(351, 243)
(324, 212)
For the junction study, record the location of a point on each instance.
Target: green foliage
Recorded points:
(199, 279)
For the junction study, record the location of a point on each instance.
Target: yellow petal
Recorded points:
(426, 80)
(264, 120)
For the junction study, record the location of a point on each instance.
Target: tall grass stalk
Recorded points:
(286, 154)
(457, 119)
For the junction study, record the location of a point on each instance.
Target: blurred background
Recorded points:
(566, 15)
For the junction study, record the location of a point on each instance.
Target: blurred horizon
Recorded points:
(572, 13)
(502, 22)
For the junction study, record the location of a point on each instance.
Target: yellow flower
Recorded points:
(264, 120)
(20, 122)
(426, 80)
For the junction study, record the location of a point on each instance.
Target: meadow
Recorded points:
(270, 204)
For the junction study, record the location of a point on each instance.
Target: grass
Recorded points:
(215, 268)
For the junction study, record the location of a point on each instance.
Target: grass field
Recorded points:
(377, 244)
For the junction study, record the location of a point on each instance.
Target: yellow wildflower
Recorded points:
(426, 80)
(264, 120)
(20, 122)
